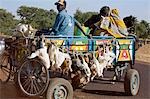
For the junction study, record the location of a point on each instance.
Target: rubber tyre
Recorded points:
(132, 82)
(63, 86)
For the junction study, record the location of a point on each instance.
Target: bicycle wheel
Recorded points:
(5, 67)
(33, 77)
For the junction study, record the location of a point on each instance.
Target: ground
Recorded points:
(99, 89)
(143, 53)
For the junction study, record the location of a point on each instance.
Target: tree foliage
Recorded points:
(43, 19)
(83, 16)
(7, 22)
(143, 29)
(37, 17)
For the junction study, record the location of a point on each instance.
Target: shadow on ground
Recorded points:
(104, 92)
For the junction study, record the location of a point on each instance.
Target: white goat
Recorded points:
(97, 66)
(57, 57)
(42, 54)
(23, 30)
(104, 60)
(109, 56)
(84, 66)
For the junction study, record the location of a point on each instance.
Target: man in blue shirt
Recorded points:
(64, 23)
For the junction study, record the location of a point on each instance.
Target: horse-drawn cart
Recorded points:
(34, 78)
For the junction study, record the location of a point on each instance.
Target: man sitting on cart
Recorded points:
(107, 23)
(104, 12)
(64, 23)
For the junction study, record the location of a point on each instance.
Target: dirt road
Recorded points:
(94, 90)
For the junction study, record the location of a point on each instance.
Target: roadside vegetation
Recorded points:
(44, 19)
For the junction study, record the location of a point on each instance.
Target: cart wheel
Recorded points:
(5, 67)
(132, 82)
(33, 77)
(59, 89)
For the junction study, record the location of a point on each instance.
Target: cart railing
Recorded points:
(124, 48)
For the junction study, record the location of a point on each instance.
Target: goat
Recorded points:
(96, 66)
(42, 54)
(23, 30)
(58, 59)
(81, 72)
(109, 56)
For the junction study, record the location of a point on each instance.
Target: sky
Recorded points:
(137, 8)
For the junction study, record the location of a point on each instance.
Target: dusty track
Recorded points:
(94, 90)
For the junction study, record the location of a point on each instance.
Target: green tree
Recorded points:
(7, 22)
(143, 29)
(37, 17)
(83, 16)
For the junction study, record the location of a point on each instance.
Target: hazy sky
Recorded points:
(138, 8)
